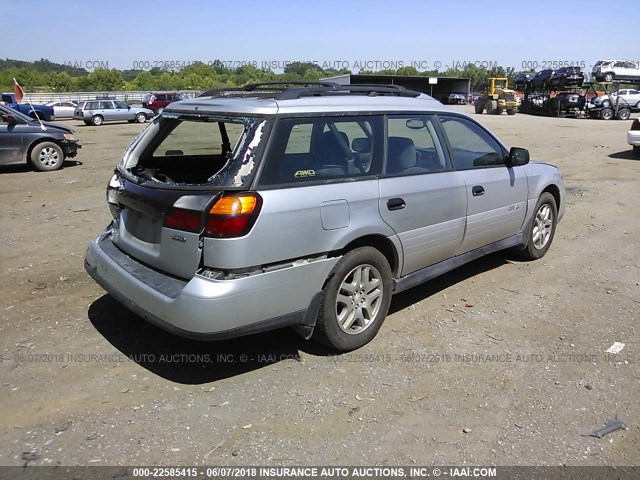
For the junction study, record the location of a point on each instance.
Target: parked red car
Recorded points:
(158, 100)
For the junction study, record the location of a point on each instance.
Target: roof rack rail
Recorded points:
(254, 86)
(280, 91)
(273, 87)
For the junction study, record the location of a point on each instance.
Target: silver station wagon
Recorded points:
(96, 112)
(310, 206)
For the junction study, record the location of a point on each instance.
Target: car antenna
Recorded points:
(19, 92)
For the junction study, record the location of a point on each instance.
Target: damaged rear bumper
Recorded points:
(205, 308)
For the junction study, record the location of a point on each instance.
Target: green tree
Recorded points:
(105, 79)
(300, 68)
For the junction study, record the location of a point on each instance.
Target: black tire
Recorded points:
(511, 111)
(499, 111)
(623, 114)
(97, 120)
(636, 151)
(606, 113)
(608, 77)
(479, 106)
(141, 117)
(532, 251)
(87, 122)
(46, 157)
(328, 330)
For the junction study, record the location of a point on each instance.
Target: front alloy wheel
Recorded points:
(542, 229)
(542, 226)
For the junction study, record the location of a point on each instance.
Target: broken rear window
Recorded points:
(198, 150)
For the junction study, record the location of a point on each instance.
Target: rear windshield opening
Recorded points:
(198, 150)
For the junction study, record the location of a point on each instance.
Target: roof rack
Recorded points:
(262, 87)
(298, 89)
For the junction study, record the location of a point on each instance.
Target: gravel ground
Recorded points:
(498, 363)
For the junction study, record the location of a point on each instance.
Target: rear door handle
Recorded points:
(477, 190)
(395, 204)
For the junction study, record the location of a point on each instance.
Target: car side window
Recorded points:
(106, 105)
(314, 149)
(413, 146)
(121, 105)
(470, 145)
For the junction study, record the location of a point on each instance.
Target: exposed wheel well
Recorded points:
(553, 190)
(380, 243)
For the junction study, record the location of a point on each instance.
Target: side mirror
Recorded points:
(10, 119)
(517, 157)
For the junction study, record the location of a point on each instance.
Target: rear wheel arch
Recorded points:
(380, 243)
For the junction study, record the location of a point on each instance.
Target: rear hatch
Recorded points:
(166, 194)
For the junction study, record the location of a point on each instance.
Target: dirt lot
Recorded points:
(498, 363)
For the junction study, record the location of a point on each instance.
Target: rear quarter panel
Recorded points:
(302, 221)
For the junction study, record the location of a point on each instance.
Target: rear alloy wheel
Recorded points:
(47, 156)
(543, 228)
(355, 300)
(623, 114)
(606, 114)
(97, 120)
(608, 77)
(141, 118)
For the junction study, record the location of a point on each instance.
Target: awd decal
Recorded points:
(305, 173)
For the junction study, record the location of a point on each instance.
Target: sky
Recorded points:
(352, 34)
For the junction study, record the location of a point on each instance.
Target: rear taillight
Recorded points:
(230, 216)
(233, 215)
(181, 219)
(636, 124)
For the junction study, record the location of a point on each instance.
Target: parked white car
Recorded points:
(625, 97)
(63, 109)
(633, 137)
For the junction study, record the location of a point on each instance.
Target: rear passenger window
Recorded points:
(325, 148)
(413, 146)
(470, 145)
